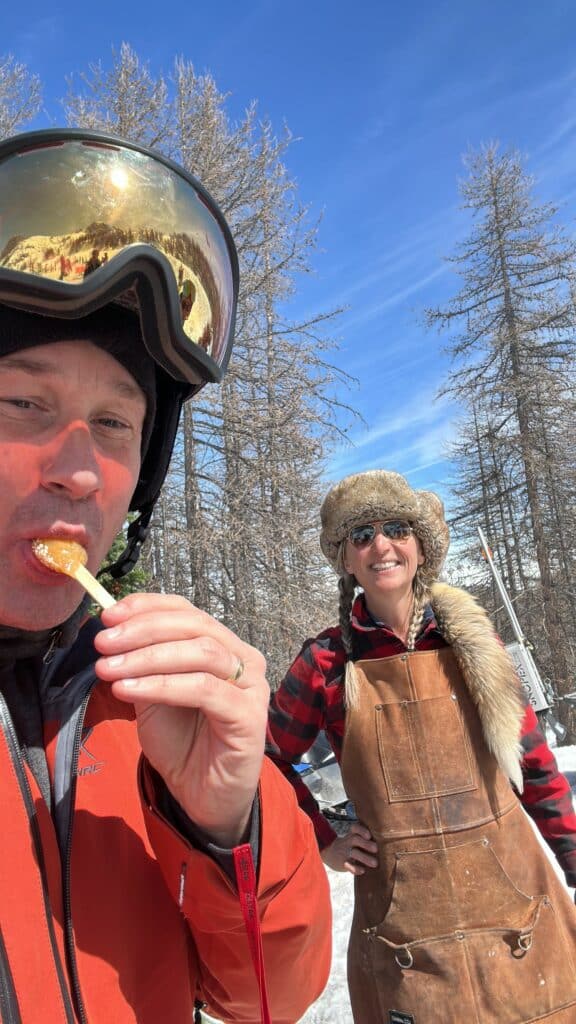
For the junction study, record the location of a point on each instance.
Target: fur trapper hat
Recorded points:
(375, 496)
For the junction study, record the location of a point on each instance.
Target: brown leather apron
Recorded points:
(465, 920)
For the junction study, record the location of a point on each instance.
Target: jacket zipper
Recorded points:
(18, 763)
(68, 926)
(247, 894)
(9, 1009)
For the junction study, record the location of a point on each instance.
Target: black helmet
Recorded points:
(87, 219)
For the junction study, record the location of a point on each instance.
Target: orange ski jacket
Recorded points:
(133, 922)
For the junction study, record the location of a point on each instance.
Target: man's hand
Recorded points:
(201, 701)
(353, 852)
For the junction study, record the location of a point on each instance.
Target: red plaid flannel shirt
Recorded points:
(310, 698)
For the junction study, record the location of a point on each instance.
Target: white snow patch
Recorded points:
(333, 1006)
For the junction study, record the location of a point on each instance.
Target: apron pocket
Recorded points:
(458, 931)
(410, 770)
(509, 977)
(520, 978)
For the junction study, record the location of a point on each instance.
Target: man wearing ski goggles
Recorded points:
(145, 834)
(66, 196)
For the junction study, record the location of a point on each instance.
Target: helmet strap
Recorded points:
(137, 533)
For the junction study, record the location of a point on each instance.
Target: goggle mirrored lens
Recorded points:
(394, 529)
(68, 208)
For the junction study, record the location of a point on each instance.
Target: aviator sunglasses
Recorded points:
(395, 529)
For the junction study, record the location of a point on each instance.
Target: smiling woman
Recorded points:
(425, 715)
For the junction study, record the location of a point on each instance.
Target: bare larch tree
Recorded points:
(511, 336)
(20, 95)
(237, 525)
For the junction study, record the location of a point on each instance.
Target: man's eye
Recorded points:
(112, 423)
(20, 403)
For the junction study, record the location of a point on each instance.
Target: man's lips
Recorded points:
(60, 531)
(36, 569)
(55, 531)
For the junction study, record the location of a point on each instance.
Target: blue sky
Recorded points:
(383, 99)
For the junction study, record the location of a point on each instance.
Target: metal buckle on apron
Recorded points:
(400, 951)
(409, 961)
(524, 941)
(525, 937)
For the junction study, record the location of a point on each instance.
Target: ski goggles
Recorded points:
(397, 530)
(86, 219)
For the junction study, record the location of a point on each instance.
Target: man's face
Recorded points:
(70, 430)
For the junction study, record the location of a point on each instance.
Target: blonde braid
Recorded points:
(421, 599)
(347, 589)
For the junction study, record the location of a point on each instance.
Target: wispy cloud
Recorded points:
(393, 299)
(421, 410)
(410, 438)
(373, 284)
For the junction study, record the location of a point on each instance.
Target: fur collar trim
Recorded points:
(488, 673)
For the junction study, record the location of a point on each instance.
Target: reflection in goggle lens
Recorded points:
(394, 529)
(70, 207)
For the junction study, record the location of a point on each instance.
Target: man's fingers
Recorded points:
(159, 617)
(203, 656)
(163, 624)
(198, 643)
(215, 697)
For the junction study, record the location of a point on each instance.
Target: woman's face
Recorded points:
(384, 567)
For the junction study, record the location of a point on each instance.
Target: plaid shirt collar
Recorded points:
(364, 621)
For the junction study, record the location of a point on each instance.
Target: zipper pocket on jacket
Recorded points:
(68, 926)
(16, 757)
(9, 1009)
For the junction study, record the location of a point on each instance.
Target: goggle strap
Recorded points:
(137, 533)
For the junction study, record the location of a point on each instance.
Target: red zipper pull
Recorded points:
(246, 881)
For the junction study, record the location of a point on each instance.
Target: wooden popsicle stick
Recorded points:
(94, 588)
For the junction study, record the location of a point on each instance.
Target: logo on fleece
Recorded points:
(93, 764)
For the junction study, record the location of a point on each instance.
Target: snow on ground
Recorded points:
(333, 1006)
(566, 758)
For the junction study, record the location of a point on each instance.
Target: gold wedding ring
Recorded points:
(238, 672)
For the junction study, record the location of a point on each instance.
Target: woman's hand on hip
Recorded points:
(353, 852)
